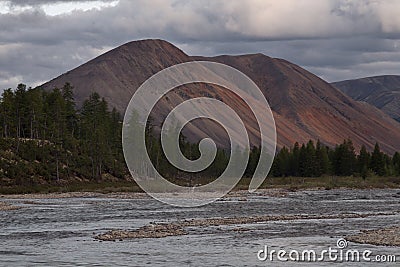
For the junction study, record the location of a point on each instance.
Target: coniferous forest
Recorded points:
(46, 138)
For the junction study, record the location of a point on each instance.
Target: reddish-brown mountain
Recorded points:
(305, 106)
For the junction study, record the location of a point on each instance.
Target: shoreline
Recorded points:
(271, 183)
(236, 193)
(273, 192)
(389, 236)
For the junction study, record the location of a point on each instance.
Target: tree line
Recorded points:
(45, 137)
(314, 160)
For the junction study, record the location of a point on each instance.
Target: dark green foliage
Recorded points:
(344, 159)
(315, 161)
(308, 162)
(322, 159)
(281, 165)
(396, 163)
(44, 138)
(295, 160)
(378, 161)
(363, 162)
(305, 161)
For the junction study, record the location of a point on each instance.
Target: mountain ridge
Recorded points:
(381, 91)
(304, 106)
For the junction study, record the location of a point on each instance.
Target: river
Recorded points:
(60, 231)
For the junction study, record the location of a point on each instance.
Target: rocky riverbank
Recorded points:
(7, 206)
(381, 237)
(136, 195)
(159, 230)
(127, 195)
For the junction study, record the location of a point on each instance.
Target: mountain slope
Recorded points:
(382, 92)
(116, 74)
(305, 107)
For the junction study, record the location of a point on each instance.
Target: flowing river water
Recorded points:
(60, 231)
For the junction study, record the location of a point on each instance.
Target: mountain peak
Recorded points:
(149, 44)
(305, 107)
(151, 49)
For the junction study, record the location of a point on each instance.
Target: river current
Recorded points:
(60, 231)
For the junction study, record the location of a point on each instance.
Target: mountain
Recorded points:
(304, 106)
(381, 91)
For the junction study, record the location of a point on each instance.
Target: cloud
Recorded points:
(42, 2)
(336, 39)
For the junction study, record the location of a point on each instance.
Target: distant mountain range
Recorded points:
(381, 91)
(305, 107)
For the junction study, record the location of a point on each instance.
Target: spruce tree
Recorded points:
(322, 159)
(396, 163)
(281, 163)
(363, 161)
(377, 161)
(294, 160)
(344, 159)
(8, 113)
(307, 164)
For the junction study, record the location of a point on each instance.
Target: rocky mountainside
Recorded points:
(304, 106)
(382, 92)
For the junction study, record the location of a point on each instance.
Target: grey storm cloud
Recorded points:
(335, 39)
(41, 2)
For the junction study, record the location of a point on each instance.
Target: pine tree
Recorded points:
(321, 155)
(94, 119)
(281, 163)
(35, 112)
(377, 161)
(344, 159)
(396, 163)
(363, 161)
(294, 160)
(307, 164)
(69, 109)
(8, 113)
(21, 106)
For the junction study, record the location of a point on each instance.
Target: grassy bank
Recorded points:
(288, 183)
(100, 187)
(325, 182)
(332, 182)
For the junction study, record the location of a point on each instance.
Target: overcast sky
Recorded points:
(335, 39)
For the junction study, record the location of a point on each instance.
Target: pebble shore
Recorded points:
(137, 195)
(121, 195)
(6, 207)
(381, 237)
(159, 230)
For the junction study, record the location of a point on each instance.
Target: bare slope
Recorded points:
(305, 106)
(382, 92)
